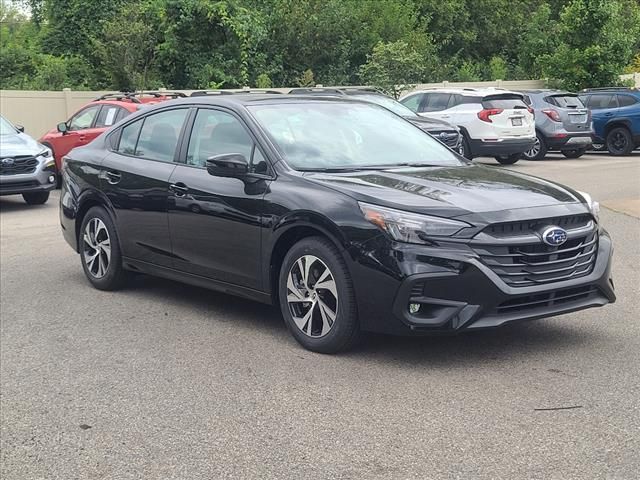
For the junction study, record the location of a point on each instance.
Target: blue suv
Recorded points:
(616, 118)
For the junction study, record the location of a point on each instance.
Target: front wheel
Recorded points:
(100, 250)
(508, 159)
(317, 297)
(36, 198)
(575, 153)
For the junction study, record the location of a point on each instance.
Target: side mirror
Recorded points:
(62, 127)
(228, 165)
(20, 128)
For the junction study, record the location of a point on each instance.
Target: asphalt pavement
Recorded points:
(168, 381)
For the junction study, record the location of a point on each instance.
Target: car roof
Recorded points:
(246, 99)
(468, 91)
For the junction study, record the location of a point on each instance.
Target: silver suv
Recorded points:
(26, 166)
(562, 123)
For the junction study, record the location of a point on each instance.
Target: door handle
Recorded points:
(113, 177)
(179, 189)
(82, 138)
(608, 114)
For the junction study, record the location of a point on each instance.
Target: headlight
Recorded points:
(410, 227)
(46, 153)
(594, 207)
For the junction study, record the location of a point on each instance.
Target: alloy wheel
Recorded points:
(534, 151)
(312, 296)
(619, 141)
(96, 247)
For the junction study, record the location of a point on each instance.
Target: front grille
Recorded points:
(527, 227)
(449, 138)
(16, 185)
(18, 165)
(537, 263)
(540, 300)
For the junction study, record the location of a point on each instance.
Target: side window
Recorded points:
(626, 100)
(413, 102)
(455, 99)
(84, 118)
(129, 137)
(122, 112)
(159, 135)
(600, 101)
(216, 133)
(107, 116)
(437, 102)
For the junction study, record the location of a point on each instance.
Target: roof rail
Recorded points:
(134, 96)
(316, 91)
(118, 96)
(202, 93)
(611, 89)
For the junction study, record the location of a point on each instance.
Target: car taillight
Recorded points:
(531, 111)
(488, 112)
(552, 114)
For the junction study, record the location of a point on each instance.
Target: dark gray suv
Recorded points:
(562, 124)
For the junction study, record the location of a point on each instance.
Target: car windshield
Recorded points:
(388, 103)
(343, 136)
(6, 128)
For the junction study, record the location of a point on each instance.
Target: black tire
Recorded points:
(508, 159)
(620, 142)
(344, 332)
(576, 153)
(542, 150)
(115, 276)
(466, 149)
(36, 198)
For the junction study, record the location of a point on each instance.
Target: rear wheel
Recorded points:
(508, 159)
(576, 153)
(100, 250)
(317, 297)
(538, 151)
(619, 141)
(36, 198)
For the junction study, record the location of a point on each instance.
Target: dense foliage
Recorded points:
(138, 44)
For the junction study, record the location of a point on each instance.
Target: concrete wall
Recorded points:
(506, 84)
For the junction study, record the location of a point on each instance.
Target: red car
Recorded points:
(95, 117)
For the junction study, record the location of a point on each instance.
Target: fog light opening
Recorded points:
(414, 308)
(52, 178)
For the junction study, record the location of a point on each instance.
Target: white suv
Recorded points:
(494, 122)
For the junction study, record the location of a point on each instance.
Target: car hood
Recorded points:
(430, 123)
(448, 191)
(19, 144)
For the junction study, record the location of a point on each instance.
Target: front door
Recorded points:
(215, 222)
(136, 179)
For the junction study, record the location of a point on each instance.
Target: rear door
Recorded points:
(603, 106)
(511, 116)
(135, 178)
(435, 105)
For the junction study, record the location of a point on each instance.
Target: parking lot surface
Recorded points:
(168, 381)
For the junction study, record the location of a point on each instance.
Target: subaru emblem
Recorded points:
(8, 161)
(554, 236)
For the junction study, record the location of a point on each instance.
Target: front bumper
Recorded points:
(507, 146)
(38, 181)
(456, 291)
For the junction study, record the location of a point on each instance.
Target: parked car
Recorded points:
(562, 124)
(616, 118)
(27, 167)
(494, 122)
(442, 131)
(96, 117)
(339, 211)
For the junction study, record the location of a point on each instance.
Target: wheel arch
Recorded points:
(88, 200)
(289, 232)
(616, 122)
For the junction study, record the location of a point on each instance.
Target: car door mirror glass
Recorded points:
(62, 127)
(233, 165)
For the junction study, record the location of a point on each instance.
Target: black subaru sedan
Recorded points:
(344, 214)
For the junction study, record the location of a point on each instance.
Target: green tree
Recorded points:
(596, 39)
(394, 67)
